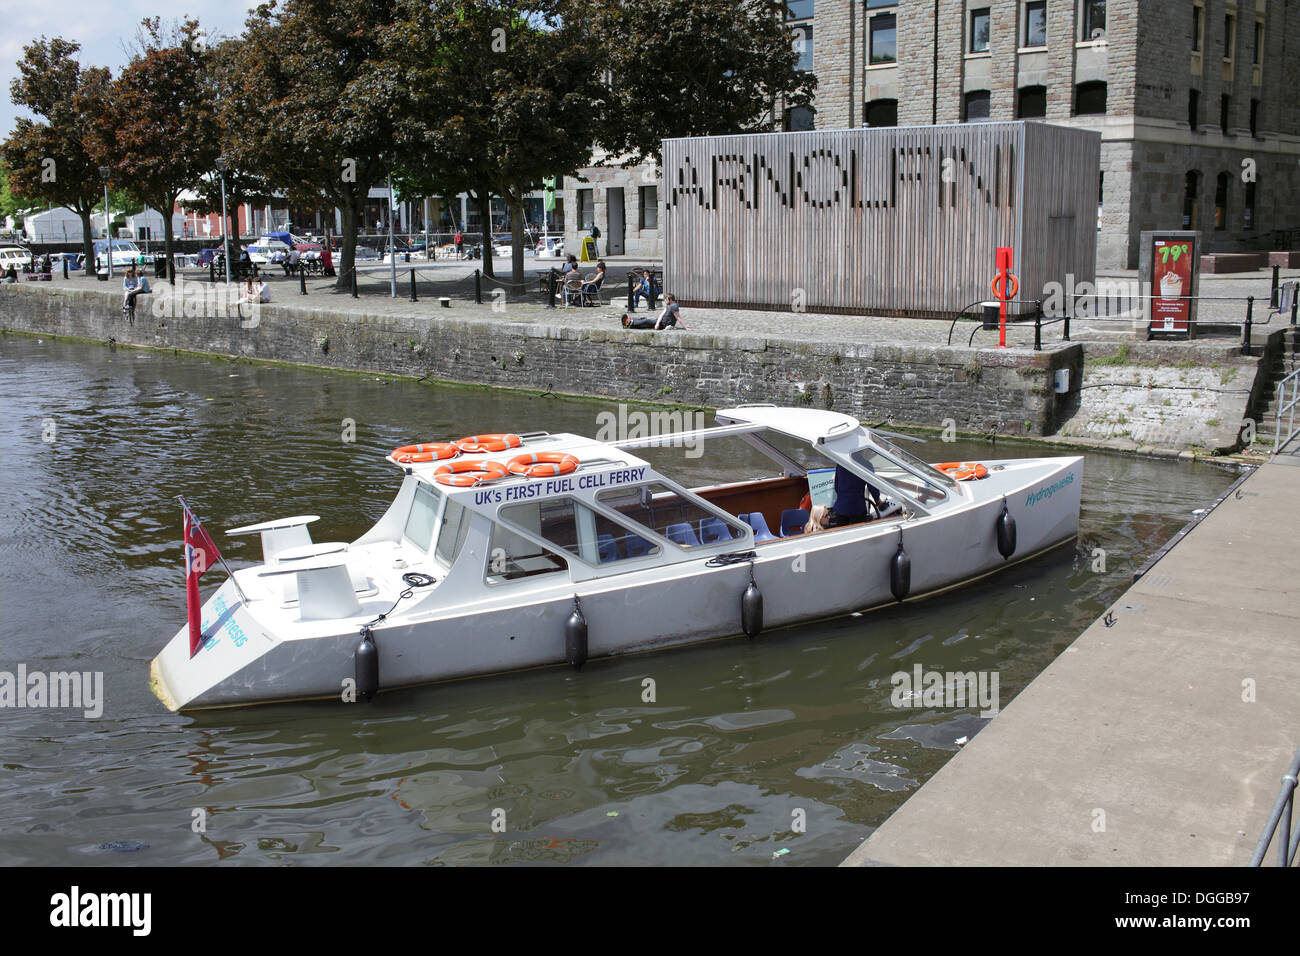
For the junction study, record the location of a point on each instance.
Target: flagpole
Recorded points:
(185, 504)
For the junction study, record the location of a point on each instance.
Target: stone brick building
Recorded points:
(1196, 100)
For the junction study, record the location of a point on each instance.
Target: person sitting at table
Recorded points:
(589, 289)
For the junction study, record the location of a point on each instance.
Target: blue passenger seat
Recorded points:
(714, 529)
(756, 521)
(682, 534)
(793, 521)
(608, 548)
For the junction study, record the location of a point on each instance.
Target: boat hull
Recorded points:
(801, 579)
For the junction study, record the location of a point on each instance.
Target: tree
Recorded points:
(51, 161)
(696, 68)
(160, 129)
(506, 93)
(314, 107)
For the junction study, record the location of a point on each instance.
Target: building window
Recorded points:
(979, 30)
(1248, 211)
(1092, 20)
(1258, 54)
(1036, 23)
(881, 113)
(1254, 118)
(798, 9)
(1197, 29)
(1191, 188)
(1224, 102)
(883, 46)
(1194, 109)
(1090, 98)
(977, 106)
(1221, 202)
(649, 204)
(1229, 36)
(1031, 102)
(871, 4)
(803, 45)
(799, 119)
(586, 209)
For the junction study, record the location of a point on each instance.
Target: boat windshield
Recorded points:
(927, 470)
(877, 463)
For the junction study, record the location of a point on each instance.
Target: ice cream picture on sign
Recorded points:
(1171, 309)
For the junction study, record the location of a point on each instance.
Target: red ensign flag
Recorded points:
(200, 553)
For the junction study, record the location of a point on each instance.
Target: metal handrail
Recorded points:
(1282, 814)
(1283, 405)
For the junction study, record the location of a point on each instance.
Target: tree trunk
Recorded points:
(167, 240)
(87, 241)
(348, 254)
(517, 242)
(484, 200)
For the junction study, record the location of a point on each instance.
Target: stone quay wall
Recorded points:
(977, 391)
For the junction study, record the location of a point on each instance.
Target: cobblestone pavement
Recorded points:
(455, 279)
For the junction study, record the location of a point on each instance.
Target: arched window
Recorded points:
(1221, 201)
(1090, 98)
(881, 113)
(1191, 187)
(1031, 102)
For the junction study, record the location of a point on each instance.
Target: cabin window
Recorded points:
(582, 532)
(419, 523)
(913, 477)
(661, 509)
(451, 536)
(511, 556)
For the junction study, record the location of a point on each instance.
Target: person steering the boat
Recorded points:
(851, 494)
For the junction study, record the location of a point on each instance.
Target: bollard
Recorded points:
(1038, 332)
(654, 291)
(550, 290)
(65, 267)
(302, 280)
(1245, 328)
(1295, 295)
(1272, 295)
(212, 270)
(413, 296)
(478, 287)
(630, 293)
(354, 281)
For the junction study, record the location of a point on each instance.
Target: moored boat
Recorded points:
(505, 552)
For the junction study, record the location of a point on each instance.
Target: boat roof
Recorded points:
(809, 424)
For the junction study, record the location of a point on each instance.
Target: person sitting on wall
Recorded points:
(130, 289)
(11, 274)
(670, 317)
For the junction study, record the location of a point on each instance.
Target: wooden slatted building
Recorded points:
(896, 221)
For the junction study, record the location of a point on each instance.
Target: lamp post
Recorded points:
(108, 225)
(225, 239)
(392, 258)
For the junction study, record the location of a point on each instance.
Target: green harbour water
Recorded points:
(786, 750)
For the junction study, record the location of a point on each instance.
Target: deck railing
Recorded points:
(1288, 396)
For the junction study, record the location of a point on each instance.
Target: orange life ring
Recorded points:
(1015, 286)
(426, 451)
(465, 474)
(544, 464)
(481, 444)
(963, 470)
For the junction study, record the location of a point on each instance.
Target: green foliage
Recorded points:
(695, 68)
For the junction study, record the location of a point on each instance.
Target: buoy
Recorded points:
(1006, 532)
(367, 666)
(575, 636)
(900, 571)
(751, 608)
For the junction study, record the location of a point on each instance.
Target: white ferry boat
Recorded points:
(506, 552)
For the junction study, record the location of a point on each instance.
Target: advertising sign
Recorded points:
(1172, 267)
